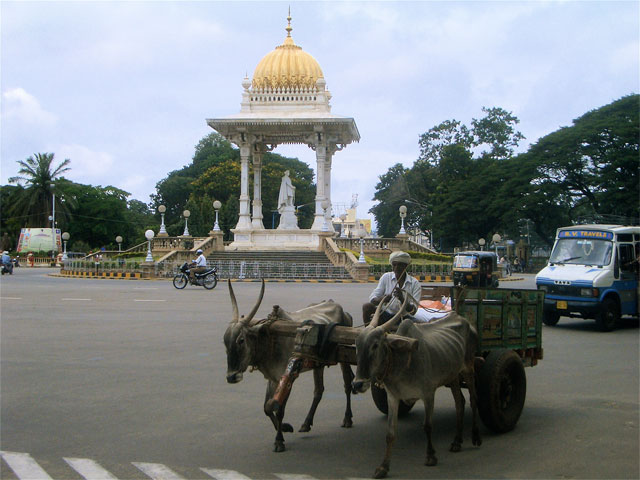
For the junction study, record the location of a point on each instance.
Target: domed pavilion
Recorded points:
(286, 102)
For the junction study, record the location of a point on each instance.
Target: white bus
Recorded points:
(592, 273)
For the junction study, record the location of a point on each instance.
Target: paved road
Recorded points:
(126, 379)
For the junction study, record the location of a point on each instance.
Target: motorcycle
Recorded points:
(207, 279)
(7, 268)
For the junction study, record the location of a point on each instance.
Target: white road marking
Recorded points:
(89, 469)
(24, 466)
(149, 300)
(10, 298)
(294, 476)
(76, 299)
(220, 474)
(157, 471)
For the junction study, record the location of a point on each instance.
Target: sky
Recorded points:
(123, 88)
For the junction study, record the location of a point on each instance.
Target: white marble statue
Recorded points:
(286, 199)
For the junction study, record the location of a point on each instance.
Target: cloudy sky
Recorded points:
(123, 88)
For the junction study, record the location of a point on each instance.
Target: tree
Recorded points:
(448, 189)
(591, 167)
(214, 174)
(35, 201)
(391, 192)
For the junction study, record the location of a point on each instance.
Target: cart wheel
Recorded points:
(380, 399)
(550, 318)
(609, 315)
(180, 281)
(502, 388)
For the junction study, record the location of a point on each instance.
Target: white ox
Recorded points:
(412, 364)
(249, 344)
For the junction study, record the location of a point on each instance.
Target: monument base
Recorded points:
(277, 240)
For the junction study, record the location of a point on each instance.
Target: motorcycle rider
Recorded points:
(199, 265)
(7, 264)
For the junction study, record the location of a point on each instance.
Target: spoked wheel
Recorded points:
(210, 281)
(180, 281)
(380, 399)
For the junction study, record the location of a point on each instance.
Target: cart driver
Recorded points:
(199, 265)
(397, 283)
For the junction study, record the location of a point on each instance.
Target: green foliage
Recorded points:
(214, 174)
(587, 170)
(34, 201)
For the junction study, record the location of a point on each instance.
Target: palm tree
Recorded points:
(35, 199)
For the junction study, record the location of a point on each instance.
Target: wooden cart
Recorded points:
(509, 324)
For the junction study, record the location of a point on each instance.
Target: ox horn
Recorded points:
(388, 325)
(376, 316)
(249, 317)
(234, 303)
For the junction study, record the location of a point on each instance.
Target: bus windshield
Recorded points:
(582, 251)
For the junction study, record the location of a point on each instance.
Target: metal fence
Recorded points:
(415, 270)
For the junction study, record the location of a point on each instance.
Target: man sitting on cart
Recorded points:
(396, 283)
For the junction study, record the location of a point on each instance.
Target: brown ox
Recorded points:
(412, 364)
(249, 344)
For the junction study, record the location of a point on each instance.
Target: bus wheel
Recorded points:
(550, 318)
(609, 315)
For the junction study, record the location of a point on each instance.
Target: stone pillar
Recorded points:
(327, 187)
(256, 221)
(244, 218)
(321, 155)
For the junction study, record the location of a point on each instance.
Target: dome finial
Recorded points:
(288, 29)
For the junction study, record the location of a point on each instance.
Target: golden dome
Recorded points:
(287, 66)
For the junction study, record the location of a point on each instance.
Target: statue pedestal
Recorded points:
(288, 219)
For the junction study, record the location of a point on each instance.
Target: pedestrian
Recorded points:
(397, 284)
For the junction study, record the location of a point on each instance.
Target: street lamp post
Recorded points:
(361, 234)
(403, 213)
(119, 242)
(163, 230)
(65, 237)
(496, 238)
(149, 234)
(216, 206)
(186, 215)
(481, 242)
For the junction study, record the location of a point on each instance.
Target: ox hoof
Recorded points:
(305, 428)
(286, 427)
(380, 472)
(431, 462)
(455, 447)
(347, 423)
(475, 436)
(278, 447)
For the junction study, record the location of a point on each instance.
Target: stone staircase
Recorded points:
(282, 264)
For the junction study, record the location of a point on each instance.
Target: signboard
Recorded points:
(39, 239)
(586, 234)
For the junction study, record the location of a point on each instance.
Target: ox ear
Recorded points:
(401, 344)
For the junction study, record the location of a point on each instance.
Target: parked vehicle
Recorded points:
(476, 269)
(207, 279)
(592, 274)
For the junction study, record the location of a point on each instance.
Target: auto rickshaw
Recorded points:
(476, 268)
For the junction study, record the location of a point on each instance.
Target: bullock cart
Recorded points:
(509, 326)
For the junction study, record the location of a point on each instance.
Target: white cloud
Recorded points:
(18, 105)
(86, 165)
